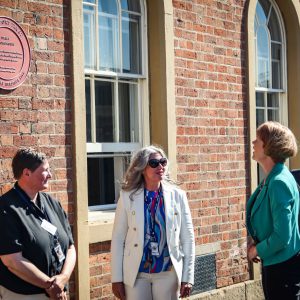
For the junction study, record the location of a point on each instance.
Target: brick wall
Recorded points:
(38, 113)
(211, 113)
(100, 271)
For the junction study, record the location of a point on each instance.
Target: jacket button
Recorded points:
(175, 229)
(176, 214)
(135, 245)
(133, 212)
(134, 228)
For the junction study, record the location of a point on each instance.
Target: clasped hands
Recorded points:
(56, 287)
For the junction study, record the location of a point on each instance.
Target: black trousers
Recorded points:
(282, 281)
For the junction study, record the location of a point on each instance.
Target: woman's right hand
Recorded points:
(118, 290)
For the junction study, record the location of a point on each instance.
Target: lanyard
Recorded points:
(152, 212)
(57, 255)
(39, 213)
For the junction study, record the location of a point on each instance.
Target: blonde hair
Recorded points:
(134, 179)
(279, 141)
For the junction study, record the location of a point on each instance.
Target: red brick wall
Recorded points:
(211, 115)
(211, 111)
(100, 271)
(38, 113)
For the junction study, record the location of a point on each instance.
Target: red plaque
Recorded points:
(14, 54)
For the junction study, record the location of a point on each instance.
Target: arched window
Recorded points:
(115, 82)
(270, 57)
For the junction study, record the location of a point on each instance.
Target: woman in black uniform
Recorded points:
(37, 250)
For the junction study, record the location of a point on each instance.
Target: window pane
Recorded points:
(89, 37)
(260, 117)
(89, 1)
(276, 66)
(124, 112)
(108, 6)
(263, 59)
(88, 110)
(108, 43)
(105, 175)
(130, 43)
(131, 5)
(128, 117)
(273, 101)
(104, 111)
(101, 185)
(274, 27)
(262, 9)
(273, 106)
(260, 99)
(273, 115)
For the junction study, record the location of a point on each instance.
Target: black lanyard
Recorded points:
(41, 215)
(37, 211)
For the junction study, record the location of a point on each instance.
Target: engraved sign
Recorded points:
(14, 54)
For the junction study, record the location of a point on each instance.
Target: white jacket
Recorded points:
(128, 235)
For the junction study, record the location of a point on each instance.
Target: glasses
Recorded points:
(153, 163)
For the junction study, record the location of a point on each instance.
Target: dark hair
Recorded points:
(279, 141)
(26, 158)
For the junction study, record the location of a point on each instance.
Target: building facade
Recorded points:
(194, 76)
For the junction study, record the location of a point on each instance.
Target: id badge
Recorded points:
(48, 227)
(154, 248)
(60, 255)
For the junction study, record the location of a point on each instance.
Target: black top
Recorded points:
(21, 231)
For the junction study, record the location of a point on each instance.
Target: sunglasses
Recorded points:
(153, 163)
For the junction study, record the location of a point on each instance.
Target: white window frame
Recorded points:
(282, 93)
(120, 149)
(283, 105)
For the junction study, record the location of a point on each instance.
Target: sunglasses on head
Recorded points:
(153, 163)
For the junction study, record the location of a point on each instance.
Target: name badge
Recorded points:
(154, 248)
(59, 253)
(48, 227)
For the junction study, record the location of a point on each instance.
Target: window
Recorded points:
(115, 80)
(270, 57)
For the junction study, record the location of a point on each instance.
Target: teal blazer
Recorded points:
(272, 217)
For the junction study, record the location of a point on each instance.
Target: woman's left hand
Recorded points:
(252, 254)
(185, 289)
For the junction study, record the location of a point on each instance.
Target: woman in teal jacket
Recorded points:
(272, 214)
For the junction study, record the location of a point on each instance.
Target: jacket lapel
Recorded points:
(260, 196)
(137, 210)
(168, 202)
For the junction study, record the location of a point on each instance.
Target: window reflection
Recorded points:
(108, 6)
(263, 57)
(89, 36)
(130, 43)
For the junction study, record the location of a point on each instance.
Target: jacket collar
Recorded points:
(262, 190)
(275, 170)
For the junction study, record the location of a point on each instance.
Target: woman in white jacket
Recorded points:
(153, 248)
